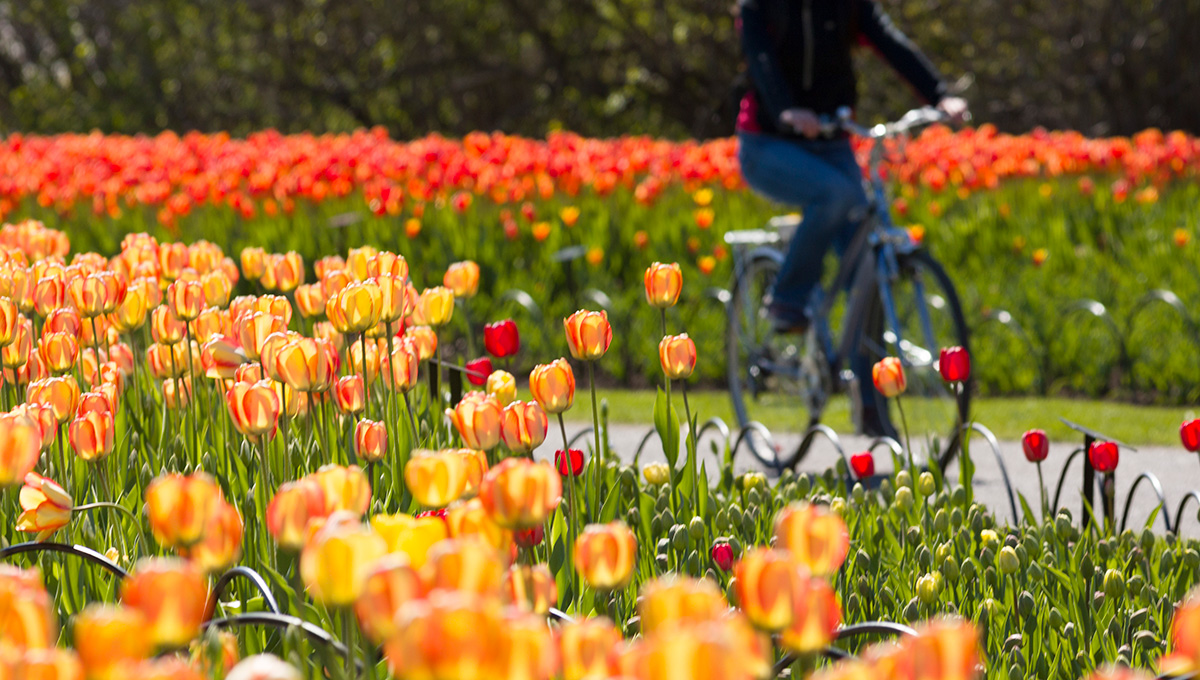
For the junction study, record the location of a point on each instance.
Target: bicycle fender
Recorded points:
(767, 252)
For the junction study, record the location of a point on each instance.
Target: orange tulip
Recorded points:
(765, 580)
(463, 279)
(346, 488)
(677, 353)
(395, 297)
(588, 334)
(306, 365)
(122, 355)
(355, 308)
(165, 327)
(671, 601)
(221, 545)
(471, 520)
(349, 395)
(61, 393)
(448, 635)
(584, 645)
(172, 258)
(519, 493)
(464, 565)
(949, 649)
(167, 361)
(253, 328)
(663, 284)
(58, 352)
(88, 295)
(108, 636)
(185, 299)
(253, 263)
(409, 536)
(43, 415)
(20, 447)
(337, 560)
(370, 440)
(211, 323)
(179, 507)
(477, 466)
(16, 352)
(1184, 637)
(523, 426)
(605, 555)
(294, 505)
(526, 650)
(311, 299)
(815, 537)
(177, 393)
(390, 583)
(332, 283)
(221, 357)
(255, 407)
(424, 340)
(131, 313)
(436, 478)
(703, 652)
(9, 316)
(63, 320)
(385, 263)
(477, 419)
(553, 386)
(49, 294)
(268, 352)
(888, 375)
(23, 284)
(26, 611)
(45, 507)
(815, 615)
(404, 364)
(41, 664)
(173, 597)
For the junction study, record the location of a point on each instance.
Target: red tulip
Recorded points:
(478, 371)
(528, 538)
(863, 464)
(722, 556)
(501, 339)
(575, 456)
(1036, 445)
(1104, 456)
(954, 364)
(1189, 433)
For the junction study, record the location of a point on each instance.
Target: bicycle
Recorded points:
(898, 302)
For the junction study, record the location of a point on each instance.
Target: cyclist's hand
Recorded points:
(803, 121)
(956, 108)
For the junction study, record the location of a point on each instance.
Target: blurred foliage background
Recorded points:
(599, 67)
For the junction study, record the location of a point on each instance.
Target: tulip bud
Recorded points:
(929, 588)
(1008, 561)
(663, 284)
(677, 354)
(172, 595)
(954, 364)
(605, 555)
(888, 375)
(501, 339)
(1035, 445)
(588, 334)
(553, 386)
(370, 440)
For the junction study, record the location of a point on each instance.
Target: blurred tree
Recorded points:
(601, 67)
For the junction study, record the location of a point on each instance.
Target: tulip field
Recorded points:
(270, 405)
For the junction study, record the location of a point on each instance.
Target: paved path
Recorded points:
(1176, 469)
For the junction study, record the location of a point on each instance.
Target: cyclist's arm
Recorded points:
(898, 51)
(759, 50)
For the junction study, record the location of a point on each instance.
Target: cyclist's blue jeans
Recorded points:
(822, 177)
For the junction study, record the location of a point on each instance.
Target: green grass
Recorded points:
(1007, 417)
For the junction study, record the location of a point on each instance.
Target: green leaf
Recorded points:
(702, 501)
(666, 422)
(608, 512)
(1026, 510)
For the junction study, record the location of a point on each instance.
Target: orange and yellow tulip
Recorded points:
(349, 395)
(519, 493)
(292, 508)
(185, 299)
(109, 636)
(58, 351)
(221, 545)
(588, 334)
(471, 520)
(477, 466)
(16, 352)
(526, 650)
(663, 284)
(253, 263)
(45, 506)
(765, 580)
(252, 328)
(677, 354)
(311, 299)
(172, 595)
(815, 537)
(390, 583)
(411, 536)
(346, 488)
(26, 611)
(61, 393)
(337, 560)
(255, 407)
(20, 447)
(355, 308)
(9, 316)
(888, 375)
(179, 507)
(605, 555)
(584, 645)
(463, 279)
(477, 419)
(436, 479)
(448, 635)
(216, 288)
(523, 426)
(553, 386)
(530, 588)
(424, 340)
(673, 601)
(470, 566)
(370, 440)
(815, 615)
(165, 327)
(221, 357)
(306, 365)
(435, 307)
(404, 364)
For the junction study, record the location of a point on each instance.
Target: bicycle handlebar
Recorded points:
(844, 121)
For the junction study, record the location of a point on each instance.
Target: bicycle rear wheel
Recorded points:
(928, 317)
(773, 378)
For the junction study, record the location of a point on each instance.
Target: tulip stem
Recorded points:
(1042, 489)
(366, 385)
(597, 455)
(566, 452)
(412, 420)
(907, 443)
(692, 450)
(192, 408)
(348, 639)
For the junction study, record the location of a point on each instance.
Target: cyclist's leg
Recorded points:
(797, 173)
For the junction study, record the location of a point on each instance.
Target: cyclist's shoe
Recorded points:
(787, 321)
(874, 424)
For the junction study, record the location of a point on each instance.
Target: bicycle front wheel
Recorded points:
(773, 378)
(914, 317)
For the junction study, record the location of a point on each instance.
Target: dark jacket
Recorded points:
(798, 55)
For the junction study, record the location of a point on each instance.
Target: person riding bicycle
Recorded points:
(798, 56)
